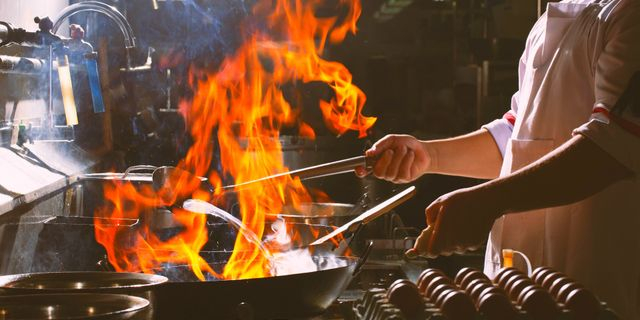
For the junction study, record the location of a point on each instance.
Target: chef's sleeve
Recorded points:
(502, 128)
(615, 121)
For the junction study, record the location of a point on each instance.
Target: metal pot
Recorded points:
(73, 306)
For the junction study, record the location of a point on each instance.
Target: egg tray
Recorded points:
(511, 295)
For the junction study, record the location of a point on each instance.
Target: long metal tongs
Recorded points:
(161, 174)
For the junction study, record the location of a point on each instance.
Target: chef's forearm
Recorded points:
(572, 172)
(473, 155)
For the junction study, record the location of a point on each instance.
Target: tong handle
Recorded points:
(334, 167)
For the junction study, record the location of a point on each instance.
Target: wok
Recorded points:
(279, 297)
(73, 306)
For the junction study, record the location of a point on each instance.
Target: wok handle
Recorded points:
(363, 259)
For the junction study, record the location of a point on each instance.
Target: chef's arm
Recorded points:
(572, 172)
(403, 158)
(473, 155)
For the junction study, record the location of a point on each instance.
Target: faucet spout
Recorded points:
(95, 6)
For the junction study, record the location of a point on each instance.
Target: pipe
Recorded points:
(11, 64)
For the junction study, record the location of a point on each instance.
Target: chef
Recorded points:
(564, 159)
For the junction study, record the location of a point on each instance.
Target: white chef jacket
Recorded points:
(577, 62)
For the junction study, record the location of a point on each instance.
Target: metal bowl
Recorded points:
(79, 282)
(72, 306)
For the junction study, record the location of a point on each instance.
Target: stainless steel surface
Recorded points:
(71, 306)
(78, 282)
(371, 214)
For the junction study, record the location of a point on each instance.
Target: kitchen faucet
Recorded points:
(109, 11)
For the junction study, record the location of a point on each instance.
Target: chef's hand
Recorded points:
(458, 221)
(400, 159)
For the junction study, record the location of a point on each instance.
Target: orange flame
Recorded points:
(242, 102)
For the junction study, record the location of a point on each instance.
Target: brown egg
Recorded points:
(550, 278)
(565, 290)
(439, 298)
(518, 286)
(429, 272)
(405, 296)
(398, 282)
(502, 273)
(426, 277)
(437, 292)
(475, 274)
(495, 306)
(524, 291)
(508, 276)
(539, 305)
(492, 289)
(460, 275)
(475, 282)
(512, 280)
(541, 275)
(554, 289)
(436, 282)
(583, 304)
(537, 271)
(458, 306)
(477, 289)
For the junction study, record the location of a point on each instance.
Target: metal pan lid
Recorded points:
(77, 282)
(71, 306)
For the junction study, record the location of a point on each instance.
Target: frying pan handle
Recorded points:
(363, 258)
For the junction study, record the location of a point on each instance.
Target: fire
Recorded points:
(242, 107)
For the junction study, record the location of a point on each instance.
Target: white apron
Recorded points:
(594, 241)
